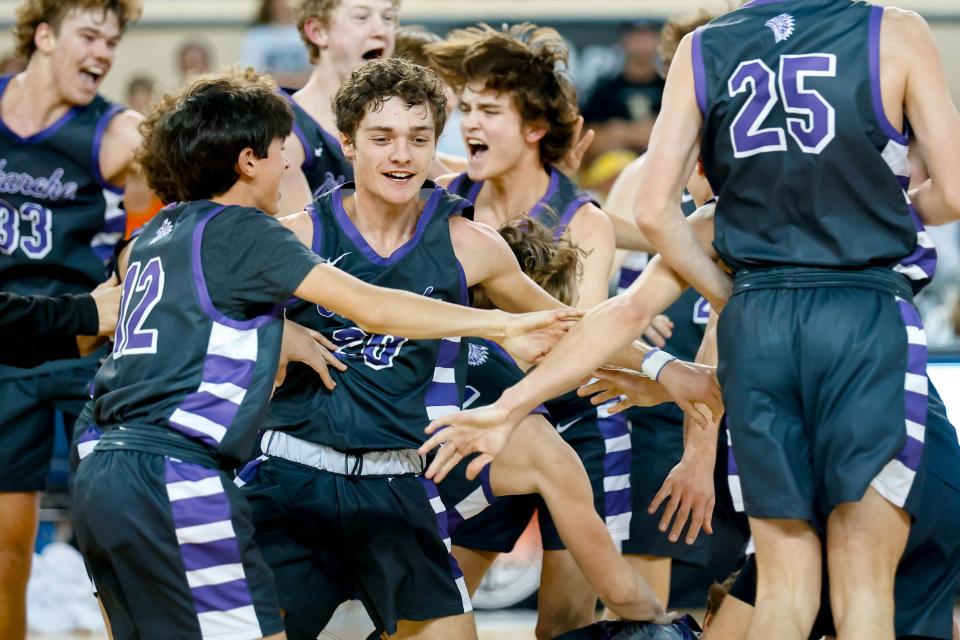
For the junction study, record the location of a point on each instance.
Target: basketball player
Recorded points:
(848, 431)
(388, 527)
(66, 155)
(519, 119)
(188, 381)
(339, 35)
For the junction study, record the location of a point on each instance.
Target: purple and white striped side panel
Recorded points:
(443, 395)
(88, 440)
(618, 509)
(921, 264)
(733, 474)
(896, 478)
(443, 530)
(208, 412)
(210, 552)
(478, 500)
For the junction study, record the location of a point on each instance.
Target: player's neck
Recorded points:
(28, 105)
(315, 96)
(241, 194)
(386, 226)
(514, 192)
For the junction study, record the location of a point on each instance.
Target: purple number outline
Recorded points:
(9, 228)
(38, 244)
(797, 99)
(754, 139)
(129, 281)
(132, 338)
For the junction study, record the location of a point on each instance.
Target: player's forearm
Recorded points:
(676, 241)
(935, 206)
(393, 312)
(606, 329)
(629, 236)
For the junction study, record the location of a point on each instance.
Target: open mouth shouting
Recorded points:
(477, 148)
(373, 54)
(92, 74)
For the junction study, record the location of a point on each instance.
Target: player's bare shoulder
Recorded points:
(592, 223)
(120, 141)
(301, 224)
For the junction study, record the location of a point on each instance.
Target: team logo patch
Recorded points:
(477, 354)
(782, 26)
(165, 229)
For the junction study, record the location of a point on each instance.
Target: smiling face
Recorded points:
(497, 139)
(358, 31)
(80, 52)
(392, 150)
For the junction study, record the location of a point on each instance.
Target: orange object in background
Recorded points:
(138, 216)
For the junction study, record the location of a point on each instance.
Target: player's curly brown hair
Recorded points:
(33, 13)
(524, 60)
(555, 265)
(674, 31)
(191, 138)
(373, 83)
(303, 10)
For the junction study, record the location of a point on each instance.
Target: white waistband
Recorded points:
(373, 463)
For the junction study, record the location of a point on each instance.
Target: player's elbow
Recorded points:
(649, 215)
(951, 200)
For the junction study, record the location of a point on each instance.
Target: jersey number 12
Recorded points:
(132, 337)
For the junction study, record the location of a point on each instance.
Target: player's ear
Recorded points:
(247, 163)
(533, 133)
(44, 38)
(317, 32)
(346, 142)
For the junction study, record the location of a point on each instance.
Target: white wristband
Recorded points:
(654, 362)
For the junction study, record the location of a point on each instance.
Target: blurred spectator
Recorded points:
(140, 93)
(193, 59)
(272, 45)
(622, 109)
(10, 65)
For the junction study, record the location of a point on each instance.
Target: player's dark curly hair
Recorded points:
(191, 139)
(32, 13)
(370, 85)
(524, 60)
(555, 265)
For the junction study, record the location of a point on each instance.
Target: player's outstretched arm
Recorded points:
(905, 39)
(539, 461)
(389, 311)
(488, 262)
(669, 163)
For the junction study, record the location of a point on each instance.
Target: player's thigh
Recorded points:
(26, 436)
(457, 626)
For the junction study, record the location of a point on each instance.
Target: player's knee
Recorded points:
(553, 621)
(15, 562)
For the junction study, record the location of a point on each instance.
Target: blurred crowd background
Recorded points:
(614, 64)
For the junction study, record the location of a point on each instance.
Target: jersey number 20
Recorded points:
(811, 120)
(131, 335)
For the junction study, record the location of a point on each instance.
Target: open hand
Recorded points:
(695, 389)
(659, 331)
(569, 165)
(530, 336)
(634, 389)
(690, 487)
(309, 347)
(107, 298)
(485, 430)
